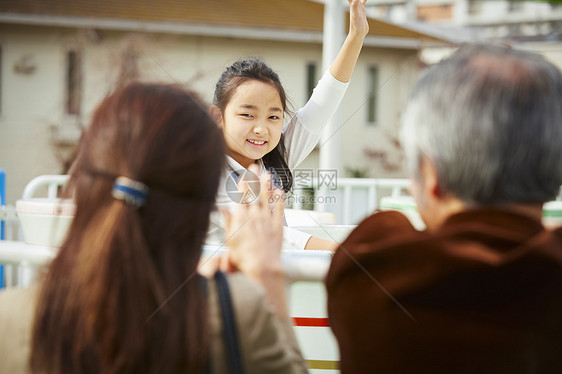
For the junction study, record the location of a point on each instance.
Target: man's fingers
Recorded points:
(208, 266)
(225, 265)
(266, 181)
(278, 207)
(227, 218)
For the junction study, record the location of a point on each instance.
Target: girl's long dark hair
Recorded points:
(123, 295)
(255, 69)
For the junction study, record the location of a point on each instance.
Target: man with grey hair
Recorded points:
(480, 290)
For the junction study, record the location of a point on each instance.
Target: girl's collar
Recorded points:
(233, 165)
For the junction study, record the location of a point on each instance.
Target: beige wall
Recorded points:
(33, 124)
(31, 104)
(397, 72)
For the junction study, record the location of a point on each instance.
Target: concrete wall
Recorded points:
(31, 104)
(36, 135)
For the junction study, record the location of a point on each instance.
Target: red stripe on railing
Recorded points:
(310, 322)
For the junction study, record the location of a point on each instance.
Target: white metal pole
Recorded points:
(330, 144)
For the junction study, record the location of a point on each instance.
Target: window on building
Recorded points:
(515, 5)
(73, 82)
(310, 78)
(474, 6)
(372, 100)
(435, 12)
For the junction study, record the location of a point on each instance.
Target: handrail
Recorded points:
(12, 252)
(346, 186)
(53, 182)
(299, 265)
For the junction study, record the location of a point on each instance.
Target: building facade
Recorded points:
(57, 63)
(491, 19)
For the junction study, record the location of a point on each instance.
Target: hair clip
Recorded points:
(130, 191)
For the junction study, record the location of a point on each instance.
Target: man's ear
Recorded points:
(430, 178)
(216, 114)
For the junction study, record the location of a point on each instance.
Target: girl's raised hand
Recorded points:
(343, 65)
(357, 17)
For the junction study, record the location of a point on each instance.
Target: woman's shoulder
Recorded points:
(14, 301)
(266, 343)
(16, 321)
(16, 309)
(241, 282)
(247, 303)
(245, 293)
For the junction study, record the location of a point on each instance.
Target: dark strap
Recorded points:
(203, 285)
(232, 348)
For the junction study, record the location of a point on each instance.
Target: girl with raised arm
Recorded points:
(250, 106)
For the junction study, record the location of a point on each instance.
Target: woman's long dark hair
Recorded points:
(255, 69)
(123, 295)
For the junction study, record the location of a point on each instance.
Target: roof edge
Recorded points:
(199, 29)
(161, 27)
(444, 35)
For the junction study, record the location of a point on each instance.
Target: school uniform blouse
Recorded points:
(267, 343)
(301, 134)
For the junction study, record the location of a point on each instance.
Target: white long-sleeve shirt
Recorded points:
(301, 134)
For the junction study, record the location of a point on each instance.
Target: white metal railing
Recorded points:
(343, 191)
(396, 186)
(11, 223)
(25, 259)
(22, 261)
(52, 182)
(8, 214)
(299, 265)
(350, 212)
(372, 189)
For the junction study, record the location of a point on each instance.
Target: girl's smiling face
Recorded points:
(252, 121)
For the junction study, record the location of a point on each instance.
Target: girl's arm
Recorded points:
(304, 130)
(321, 244)
(300, 140)
(343, 65)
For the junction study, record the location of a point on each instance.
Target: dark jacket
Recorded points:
(483, 294)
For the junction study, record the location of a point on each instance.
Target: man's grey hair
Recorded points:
(490, 119)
